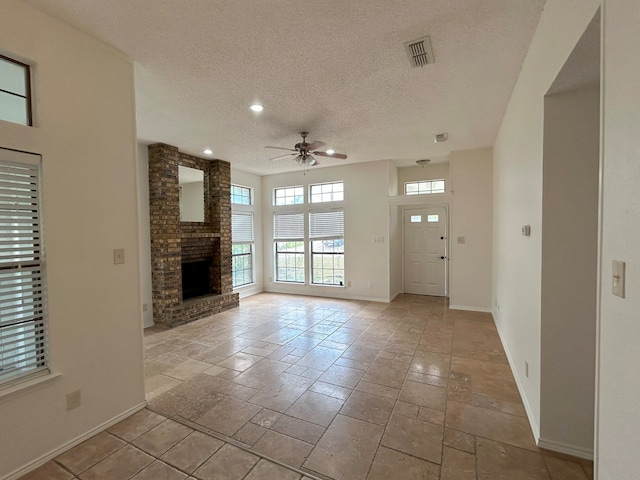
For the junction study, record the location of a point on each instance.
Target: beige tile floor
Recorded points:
(334, 389)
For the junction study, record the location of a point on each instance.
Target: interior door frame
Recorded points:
(422, 206)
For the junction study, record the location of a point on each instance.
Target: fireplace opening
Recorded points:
(196, 279)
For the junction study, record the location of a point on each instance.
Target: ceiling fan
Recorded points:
(303, 152)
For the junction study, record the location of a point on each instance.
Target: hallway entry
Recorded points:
(425, 261)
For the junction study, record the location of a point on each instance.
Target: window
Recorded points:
(240, 195)
(326, 233)
(416, 218)
(288, 235)
(23, 328)
(425, 186)
(327, 192)
(242, 248)
(15, 94)
(433, 218)
(288, 196)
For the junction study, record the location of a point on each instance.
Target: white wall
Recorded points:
(144, 235)
(435, 171)
(569, 268)
(518, 194)
(471, 222)
(255, 182)
(366, 214)
(618, 430)
(85, 131)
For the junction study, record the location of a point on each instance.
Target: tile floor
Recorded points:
(334, 389)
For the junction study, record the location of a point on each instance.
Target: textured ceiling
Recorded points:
(333, 67)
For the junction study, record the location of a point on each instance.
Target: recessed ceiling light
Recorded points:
(207, 151)
(330, 152)
(256, 107)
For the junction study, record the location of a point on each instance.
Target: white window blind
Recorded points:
(288, 226)
(242, 227)
(326, 224)
(23, 336)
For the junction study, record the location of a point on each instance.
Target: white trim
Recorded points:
(525, 399)
(470, 309)
(330, 294)
(559, 447)
(393, 296)
(21, 387)
(70, 444)
(248, 290)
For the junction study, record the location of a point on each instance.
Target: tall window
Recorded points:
(242, 236)
(327, 192)
(288, 196)
(15, 91)
(424, 186)
(326, 234)
(242, 248)
(23, 338)
(288, 235)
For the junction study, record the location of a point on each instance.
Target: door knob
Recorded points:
(442, 258)
(441, 238)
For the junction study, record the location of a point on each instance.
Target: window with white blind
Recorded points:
(326, 234)
(242, 248)
(288, 236)
(23, 327)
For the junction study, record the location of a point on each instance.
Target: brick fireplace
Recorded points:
(190, 261)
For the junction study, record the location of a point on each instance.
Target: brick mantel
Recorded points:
(174, 242)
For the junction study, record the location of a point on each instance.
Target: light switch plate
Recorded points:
(461, 240)
(618, 278)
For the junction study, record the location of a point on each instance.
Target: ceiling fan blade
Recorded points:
(341, 156)
(288, 155)
(283, 148)
(313, 145)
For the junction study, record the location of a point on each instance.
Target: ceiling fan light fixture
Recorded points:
(256, 107)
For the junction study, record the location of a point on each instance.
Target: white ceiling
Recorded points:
(333, 67)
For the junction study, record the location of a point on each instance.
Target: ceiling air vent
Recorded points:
(441, 137)
(420, 52)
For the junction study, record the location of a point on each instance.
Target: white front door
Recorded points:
(425, 240)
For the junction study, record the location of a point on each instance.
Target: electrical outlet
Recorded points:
(349, 283)
(74, 400)
(526, 369)
(370, 284)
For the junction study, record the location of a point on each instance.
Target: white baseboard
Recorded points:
(70, 444)
(393, 297)
(572, 450)
(527, 407)
(470, 309)
(332, 292)
(248, 291)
